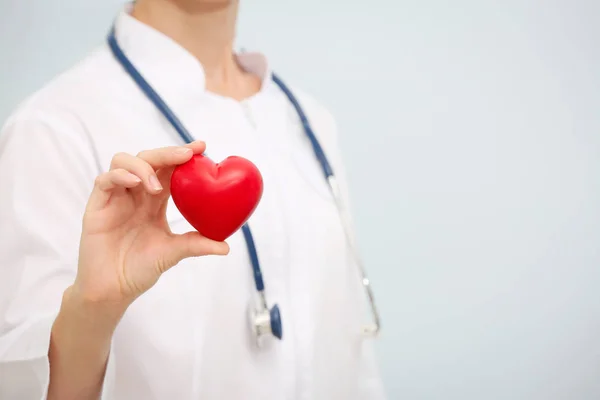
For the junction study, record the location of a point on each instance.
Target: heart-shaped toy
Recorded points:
(216, 198)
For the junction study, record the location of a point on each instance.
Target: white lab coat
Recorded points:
(188, 337)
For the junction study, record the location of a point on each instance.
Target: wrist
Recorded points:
(80, 345)
(97, 314)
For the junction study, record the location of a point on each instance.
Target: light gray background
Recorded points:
(471, 134)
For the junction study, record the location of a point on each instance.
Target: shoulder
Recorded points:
(51, 119)
(319, 116)
(324, 125)
(61, 99)
(315, 109)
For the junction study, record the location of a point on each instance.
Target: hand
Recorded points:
(126, 243)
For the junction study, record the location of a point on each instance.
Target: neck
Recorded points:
(206, 30)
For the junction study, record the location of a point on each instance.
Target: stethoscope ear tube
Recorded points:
(146, 88)
(370, 330)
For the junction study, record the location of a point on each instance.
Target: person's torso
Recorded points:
(189, 337)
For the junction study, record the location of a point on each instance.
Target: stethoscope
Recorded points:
(264, 321)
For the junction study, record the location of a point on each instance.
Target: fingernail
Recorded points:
(182, 150)
(154, 183)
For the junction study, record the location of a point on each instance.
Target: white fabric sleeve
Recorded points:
(47, 170)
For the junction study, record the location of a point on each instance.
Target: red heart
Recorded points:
(216, 198)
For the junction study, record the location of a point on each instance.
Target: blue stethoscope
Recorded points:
(264, 321)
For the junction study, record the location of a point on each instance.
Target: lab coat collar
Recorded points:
(170, 68)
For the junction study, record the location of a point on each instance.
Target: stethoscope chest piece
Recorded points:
(265, 323)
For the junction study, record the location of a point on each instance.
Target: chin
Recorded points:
(203, 5)
(207, 2)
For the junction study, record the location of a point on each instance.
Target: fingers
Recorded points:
(166, 156)
(117, 177)
(198, 147)
(148, 162)
(192, 244)
(164, 177)
(107, 182)
(140, 168)
(127, 171)
(171, 156)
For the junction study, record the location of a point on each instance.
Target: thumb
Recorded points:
(193, 244)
